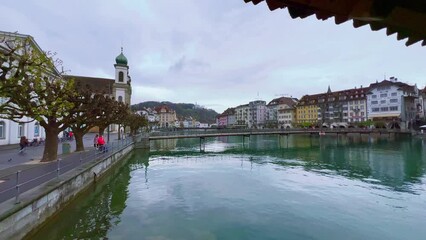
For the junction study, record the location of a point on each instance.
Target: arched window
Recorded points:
(36, 129)
(2, 130)
(120, 76)
(120, 99)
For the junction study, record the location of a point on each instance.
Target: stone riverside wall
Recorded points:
(40, 203)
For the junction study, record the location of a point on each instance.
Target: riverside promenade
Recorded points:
(29, 166)
(32, 191)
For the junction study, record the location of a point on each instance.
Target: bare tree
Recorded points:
(31, 86)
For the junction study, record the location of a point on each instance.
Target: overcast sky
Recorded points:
(218, 54)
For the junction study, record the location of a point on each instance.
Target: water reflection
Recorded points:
(96, 211)
(176, 192)
(392, 162)
(166, 144)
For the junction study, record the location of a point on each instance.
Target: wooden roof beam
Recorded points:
(340, 19)
(413, 40)
(359, 23)
(275, 4)
(376, 26)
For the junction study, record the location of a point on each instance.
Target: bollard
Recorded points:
(81, 159)
(57, 169)
(17, 187)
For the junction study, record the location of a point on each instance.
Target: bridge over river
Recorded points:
(208, 132)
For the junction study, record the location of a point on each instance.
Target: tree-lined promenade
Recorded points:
(31, 86)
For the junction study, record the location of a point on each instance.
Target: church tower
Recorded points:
(122, 89)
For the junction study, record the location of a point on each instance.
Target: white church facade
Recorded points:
(118, 87)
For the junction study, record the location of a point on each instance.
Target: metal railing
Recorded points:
(23, 180)
(188, 132)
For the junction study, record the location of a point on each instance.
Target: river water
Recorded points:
(265, 187)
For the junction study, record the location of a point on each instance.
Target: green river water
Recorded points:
(269, 187)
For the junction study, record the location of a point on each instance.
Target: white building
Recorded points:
(151, 116)
(242, 115)
(272, 112)
(118, 87)
(10, 131)
(203, 125)
(392, 102)
(257, 114)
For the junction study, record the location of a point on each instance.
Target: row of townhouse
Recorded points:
(333, 109)
(258, 114)
(395, 104)
(161, 116)
(165, 117)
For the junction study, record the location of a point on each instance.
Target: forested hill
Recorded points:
(183, 110)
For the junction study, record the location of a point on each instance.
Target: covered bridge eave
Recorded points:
(406, 18)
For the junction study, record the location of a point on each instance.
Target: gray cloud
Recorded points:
(190, 66)
(217, 54)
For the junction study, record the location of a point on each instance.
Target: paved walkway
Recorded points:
(33, 172)
(10, 156)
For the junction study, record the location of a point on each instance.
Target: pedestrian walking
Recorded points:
(101, 143)
(23, 143)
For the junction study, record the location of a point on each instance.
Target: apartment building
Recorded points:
(393, 102)
(257, 114)
(242, 115)
(166, 115)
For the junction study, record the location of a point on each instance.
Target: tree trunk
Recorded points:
(79, 145)
(101, 130)
(50, 152)
(119, 131)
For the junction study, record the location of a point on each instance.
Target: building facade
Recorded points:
(272, 113)
(11, 131)
(151, 116)
(166, 115)
(307, 110)
(118, 87)
(393, 103)
(340, 108)
(242, 115)
(287, 112)
(257, 114)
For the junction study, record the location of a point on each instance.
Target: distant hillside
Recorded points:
(183, 110)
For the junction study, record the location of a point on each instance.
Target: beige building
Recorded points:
(166, 115)
(286, 112)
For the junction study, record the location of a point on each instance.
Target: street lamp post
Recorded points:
(108, 133)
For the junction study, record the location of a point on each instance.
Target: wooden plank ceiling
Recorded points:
(406, 18)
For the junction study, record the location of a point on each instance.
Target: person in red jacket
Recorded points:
(101, 143)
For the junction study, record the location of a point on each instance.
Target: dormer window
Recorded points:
(120, 76)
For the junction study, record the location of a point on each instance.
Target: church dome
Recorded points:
(121, 59)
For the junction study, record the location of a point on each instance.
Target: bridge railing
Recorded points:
(187, 132)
